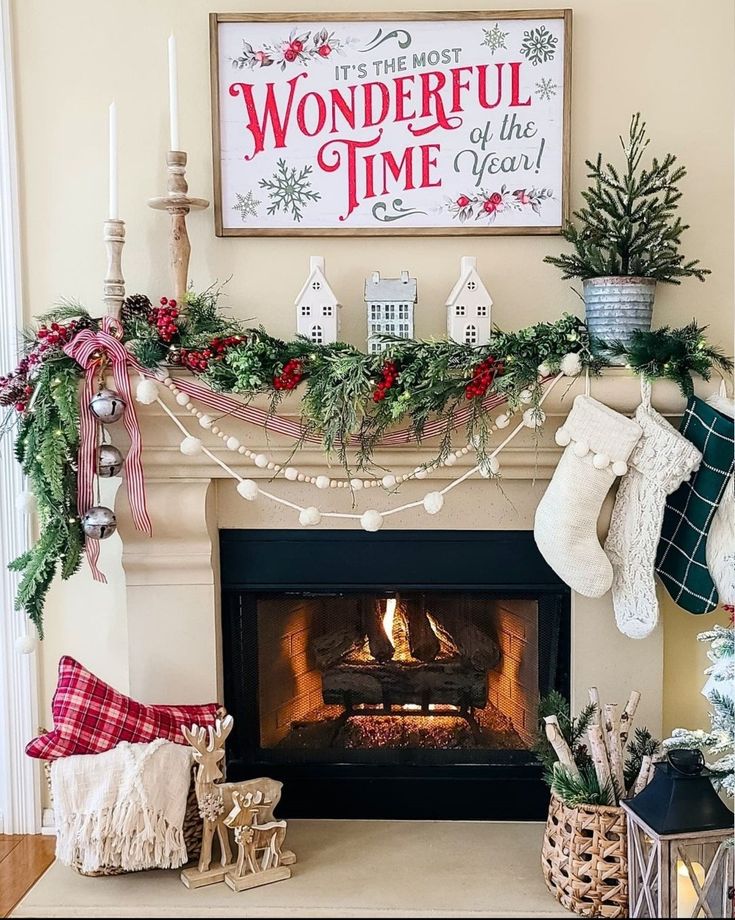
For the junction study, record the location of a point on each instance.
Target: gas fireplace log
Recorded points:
(373, 610)
(476, 645)
(422, 640)
(403, 683)
(328, 649)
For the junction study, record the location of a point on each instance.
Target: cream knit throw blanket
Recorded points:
(123, 808)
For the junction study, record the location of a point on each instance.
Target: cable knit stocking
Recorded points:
(721, 539)
(598, 443)
(660, 462)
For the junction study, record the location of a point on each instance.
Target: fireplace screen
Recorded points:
(423, 671)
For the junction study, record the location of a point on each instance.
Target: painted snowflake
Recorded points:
(289, 190)
(247, 205)
(495, 38)
(539, 45)
(546, 88)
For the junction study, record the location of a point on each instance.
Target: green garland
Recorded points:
(672, 354)
(346, 394)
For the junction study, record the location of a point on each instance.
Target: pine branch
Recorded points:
(582, 790)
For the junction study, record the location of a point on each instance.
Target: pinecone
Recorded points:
(136, 306)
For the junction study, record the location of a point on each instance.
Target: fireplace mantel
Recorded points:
(172, 579)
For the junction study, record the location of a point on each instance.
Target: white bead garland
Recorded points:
(503, 420)
(232, 443)
(146, 392)
(291, 474)
(388, 481)
(525, 396)
(206, 421)
(261, 461)
(534, 417)
(322, 482)
(248, 489)
(182, 399)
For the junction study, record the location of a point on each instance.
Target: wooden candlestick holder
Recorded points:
(178, 204)
(114, 287)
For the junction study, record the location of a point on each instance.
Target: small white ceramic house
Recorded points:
(317, 308)
(469, 306)
(390, 303)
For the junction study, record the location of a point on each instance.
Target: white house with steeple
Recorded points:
(317, 307)
(469, 306)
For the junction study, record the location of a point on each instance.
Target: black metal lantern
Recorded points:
(680, 855)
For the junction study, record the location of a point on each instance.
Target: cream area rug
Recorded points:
(343, 869)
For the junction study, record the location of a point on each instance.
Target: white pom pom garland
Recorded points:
(291, 474)
(502, 421)
(433, 502)
(261, 461)
(534, 417)
(25, 503)
(26, 645)
(310, 517)
(206, 421)
(388, 481)
(543, 370)
(371, 521)
(248, 489)
(322, 482)
(190, 446)
(571, 364)
(525, 396)
(232, 444)
(182, 399)
(356, 484)
(147, 392)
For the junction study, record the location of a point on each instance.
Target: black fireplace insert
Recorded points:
(393, 674)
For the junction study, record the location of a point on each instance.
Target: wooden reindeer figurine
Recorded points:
(259, 854)
(215, 800)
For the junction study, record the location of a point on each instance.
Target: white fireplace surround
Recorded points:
(172, 579)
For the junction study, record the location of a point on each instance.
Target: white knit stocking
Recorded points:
(598, 442)
(721, 537)
(661, 460)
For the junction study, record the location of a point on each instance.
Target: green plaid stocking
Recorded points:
(681, 559)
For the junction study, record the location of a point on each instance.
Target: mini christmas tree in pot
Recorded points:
(626, 238)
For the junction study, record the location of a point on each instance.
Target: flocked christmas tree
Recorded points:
(629, 225)
(718, 745)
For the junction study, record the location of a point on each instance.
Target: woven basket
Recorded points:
(192, 830)
(584, 859)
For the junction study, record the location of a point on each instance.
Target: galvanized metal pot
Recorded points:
(617, 305)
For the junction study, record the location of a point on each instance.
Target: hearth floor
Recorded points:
(344, 869)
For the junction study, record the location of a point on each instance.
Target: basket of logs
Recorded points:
(584, 856)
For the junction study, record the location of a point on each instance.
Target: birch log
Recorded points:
(614, 748)
(594, 695)
(626, 719)
(598, 751)
(561, 748)
(644, 774)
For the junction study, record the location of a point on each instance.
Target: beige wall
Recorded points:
(669, 58)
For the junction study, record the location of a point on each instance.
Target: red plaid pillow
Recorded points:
(91, 717)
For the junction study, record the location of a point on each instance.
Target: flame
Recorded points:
(389, 618)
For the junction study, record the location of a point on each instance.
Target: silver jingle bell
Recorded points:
(99, 522)
(109, 461)
(107, 405)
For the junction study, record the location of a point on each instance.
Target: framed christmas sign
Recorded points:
(420, 123)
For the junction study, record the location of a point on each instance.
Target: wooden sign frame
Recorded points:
(468, 225)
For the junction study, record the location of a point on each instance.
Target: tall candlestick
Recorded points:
(113, 204)
(173, 93)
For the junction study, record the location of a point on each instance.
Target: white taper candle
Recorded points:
(113, 208)
(173, 93)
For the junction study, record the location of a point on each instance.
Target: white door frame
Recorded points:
(19, 776)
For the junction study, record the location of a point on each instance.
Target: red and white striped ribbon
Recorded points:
(221, 402)
(86, 348)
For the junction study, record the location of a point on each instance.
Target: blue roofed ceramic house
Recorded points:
(390, 305)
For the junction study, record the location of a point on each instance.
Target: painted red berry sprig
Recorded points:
(199, 360)
(164, 319)
(483, 377)
(290, 377)
(388, 377)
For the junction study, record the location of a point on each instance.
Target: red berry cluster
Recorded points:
(290, 376)
(164, 319)
(388, 375)
(15, 388)
(483, 376)
(199, 360)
